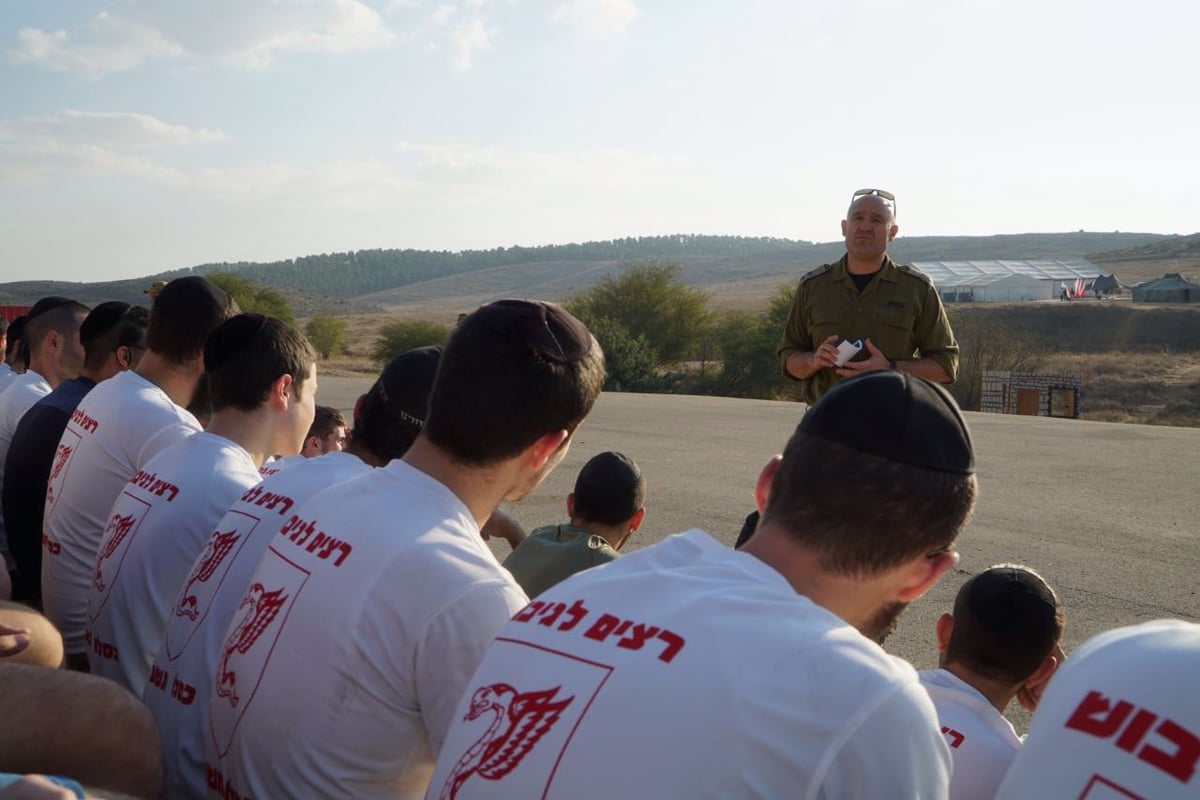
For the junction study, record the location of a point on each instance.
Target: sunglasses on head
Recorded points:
(887, 197)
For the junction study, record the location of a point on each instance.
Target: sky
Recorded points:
(140, 136)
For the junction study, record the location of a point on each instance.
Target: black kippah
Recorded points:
(1008, 600)
(101, 320)
(405, 384)
(897, 417)
(547, 329)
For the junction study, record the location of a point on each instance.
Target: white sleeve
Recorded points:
(897, 751)
(452, 646)
(161, 440)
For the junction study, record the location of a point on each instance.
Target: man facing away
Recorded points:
(751, 673)
(387, 420)
(605, 509)
(114, 338)
(1001, 638)
(117, 428)
(1121, 719)
(262, 380)
(14, 359)
(55, 354)
(892, 309)
(372, 607)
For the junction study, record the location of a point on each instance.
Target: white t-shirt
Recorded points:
(181, 678)
(156, 529)
(982, 742)
(6, 374)
(117, 428)
(15, 399)
(688, 670)
(1120, 719)
(346, 658)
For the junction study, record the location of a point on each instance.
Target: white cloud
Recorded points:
(596, 17)
(467, 38)
(108, 129)
(251, 32)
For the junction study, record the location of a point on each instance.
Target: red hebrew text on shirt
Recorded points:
(153, 485)
(305, 534)
(84, 422)
(953, 737)
(279, 503)
(622, 633)
(1153, 738)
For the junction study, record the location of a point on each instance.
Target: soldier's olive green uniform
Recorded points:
(899, 311)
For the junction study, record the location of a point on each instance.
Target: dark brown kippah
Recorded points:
(895, 416)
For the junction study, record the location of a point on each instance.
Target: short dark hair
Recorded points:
(862, 513)
(109, 326)
(609, 489)
(16, 332)
(183, 316)
(58, 314)
(512, 371)
(326, 420)
(1007, 620)
(249, 352)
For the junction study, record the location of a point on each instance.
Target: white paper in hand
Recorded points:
(846, 351)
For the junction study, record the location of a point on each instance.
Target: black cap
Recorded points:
(232, 336)
(609, 483)
(895, 416)
(1010, 600)
(102, 319)
(405, 384)
(16, 328)
(545, 328)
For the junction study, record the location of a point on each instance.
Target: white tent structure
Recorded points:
(1007, 281)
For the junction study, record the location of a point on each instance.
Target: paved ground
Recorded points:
(1107, 512)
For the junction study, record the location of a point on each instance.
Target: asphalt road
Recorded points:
(1106, 512)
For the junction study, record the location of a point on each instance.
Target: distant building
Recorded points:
(1006, 281)
(1171, 288)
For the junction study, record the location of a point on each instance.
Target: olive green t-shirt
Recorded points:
(554, 553)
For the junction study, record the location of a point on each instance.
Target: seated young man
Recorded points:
(605, 509)
(262, 378)
(1121, 719)
(1002, 637)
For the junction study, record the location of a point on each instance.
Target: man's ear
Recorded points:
(571, 505)
(1043, 672)
(895, 229)
(546, 445)
(762, 488)
(845, 223)
(281, 392)
(945, 629)
(636, 520)
(922, 573)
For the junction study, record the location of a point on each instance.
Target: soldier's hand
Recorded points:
(825, 355)
(875, 361)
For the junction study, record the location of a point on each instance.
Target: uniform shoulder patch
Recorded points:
(909, 269)
(812, 273)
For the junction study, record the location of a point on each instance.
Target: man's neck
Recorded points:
(864, 266)
(177, 380)
(996, 693)
(363, 454)
(252, 430)
(855, 600)
(481, 489)
(45, 372)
